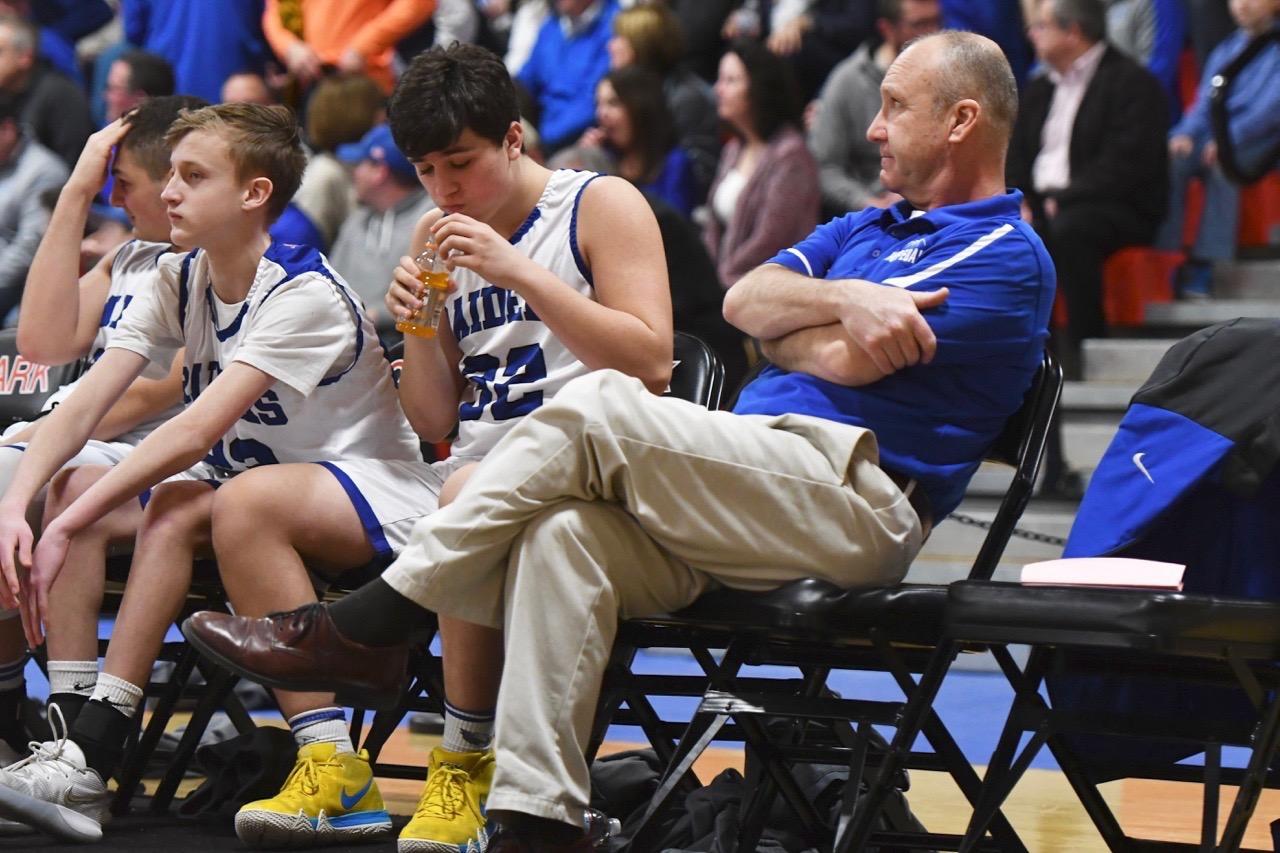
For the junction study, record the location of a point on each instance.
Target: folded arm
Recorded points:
(882, 326)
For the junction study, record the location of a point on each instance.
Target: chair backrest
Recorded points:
(1021, 446)
(395, 358)
(25, 385)
(698, 374)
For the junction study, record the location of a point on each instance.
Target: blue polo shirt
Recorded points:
(933, 422)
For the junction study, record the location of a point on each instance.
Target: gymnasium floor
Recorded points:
(1043, 808)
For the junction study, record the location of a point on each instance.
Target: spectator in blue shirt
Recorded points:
(1152, 33)
(204, 42)
(903, 339)
(569, 58)
(62, 23)
(1253, 111)
(999, 20)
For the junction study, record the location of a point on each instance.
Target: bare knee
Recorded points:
(178, 512)
(454, 484)
(244, 508)
(69, 484)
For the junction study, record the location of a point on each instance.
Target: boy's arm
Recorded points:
(60, 309)
(175, 446)
(629, 328)
(430, 384)
(144, 399)
(68, 427)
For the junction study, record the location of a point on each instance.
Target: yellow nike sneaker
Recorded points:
(450, 817)
(329, 798)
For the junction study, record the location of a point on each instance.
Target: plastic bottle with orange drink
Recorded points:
(424, 322)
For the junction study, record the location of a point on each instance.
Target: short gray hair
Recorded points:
(24, 32)
(1089, 15)
(975, 69)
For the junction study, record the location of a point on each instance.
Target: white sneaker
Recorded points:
(53, 790)
(8, 755)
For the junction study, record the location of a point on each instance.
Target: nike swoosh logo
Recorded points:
(72, 798)
(1137, 460)
(349, 801)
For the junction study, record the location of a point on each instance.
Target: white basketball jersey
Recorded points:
(511, 360)
(333, 398)
(134, 271)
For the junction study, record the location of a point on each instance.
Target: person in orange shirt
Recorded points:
(353, 37)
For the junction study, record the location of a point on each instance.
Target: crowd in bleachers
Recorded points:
(744, 123)
(627, 88)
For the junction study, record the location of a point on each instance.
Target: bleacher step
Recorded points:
(1243, 280)
(1084, 442)
(1127, 360)
(1206, 312)
(1086, 434)
(1097, 396)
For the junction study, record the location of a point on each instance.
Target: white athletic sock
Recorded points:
(322, 725)
(73, 676)
(466, 731)
(118, 693)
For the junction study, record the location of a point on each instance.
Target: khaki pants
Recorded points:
(609, 502)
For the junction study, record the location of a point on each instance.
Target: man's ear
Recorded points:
(514, 140)
(964, 118)
(257, 193)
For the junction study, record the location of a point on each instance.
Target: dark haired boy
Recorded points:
(555, 274)
(279, 365)
(67, 316)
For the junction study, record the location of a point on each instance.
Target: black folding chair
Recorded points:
(698, 376)
(817, 627)
(25, 385)
(1145, 636)
(191, 678)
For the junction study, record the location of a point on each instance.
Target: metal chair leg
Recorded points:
(219, 683)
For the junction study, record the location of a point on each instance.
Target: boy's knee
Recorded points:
(69, 484)
(242, 507)
(178, 509)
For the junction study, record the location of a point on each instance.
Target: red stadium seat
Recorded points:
(1260, 212)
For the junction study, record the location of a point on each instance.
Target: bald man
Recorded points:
(901, 341)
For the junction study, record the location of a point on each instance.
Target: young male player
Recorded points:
(555, 274)
(66, 316)
(281, 366)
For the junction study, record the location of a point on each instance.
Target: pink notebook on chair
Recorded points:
(1104, 571)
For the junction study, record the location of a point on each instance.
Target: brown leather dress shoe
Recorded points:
(300, 650)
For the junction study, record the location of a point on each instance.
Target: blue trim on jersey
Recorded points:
(184, 286)
(368, 519)
(296, 260)
(573, 232)
(534, 216)
(145, 498)
(233, 326)
(355, 314)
